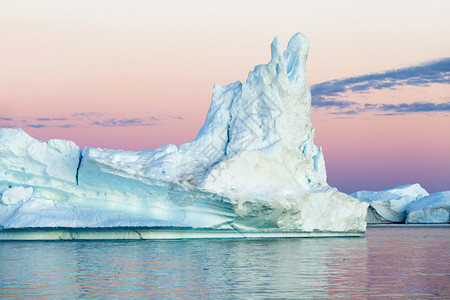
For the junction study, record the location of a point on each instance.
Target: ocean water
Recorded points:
(404, 261)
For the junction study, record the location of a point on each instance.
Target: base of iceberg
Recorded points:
(373, 217)
(158, 233)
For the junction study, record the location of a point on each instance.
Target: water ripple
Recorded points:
(391, 261)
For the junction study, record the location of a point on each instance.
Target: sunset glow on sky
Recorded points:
(139, 74)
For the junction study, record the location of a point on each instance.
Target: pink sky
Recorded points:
(85, 61)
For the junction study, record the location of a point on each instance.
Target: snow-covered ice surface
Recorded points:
(434, 208)
(390, 206)
(15, 195)
(252, 167)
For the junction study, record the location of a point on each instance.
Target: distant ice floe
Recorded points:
(406, 204)
(434, 208)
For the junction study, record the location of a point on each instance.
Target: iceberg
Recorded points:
(434, 208)
(389, 206)
(252, 171)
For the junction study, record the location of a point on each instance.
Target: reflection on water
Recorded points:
(405, 261)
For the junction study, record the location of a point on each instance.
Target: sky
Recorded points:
(137, 75)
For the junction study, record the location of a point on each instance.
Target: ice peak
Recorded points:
(276, 49)
(295, 56)
(266, 119)
(299, 43)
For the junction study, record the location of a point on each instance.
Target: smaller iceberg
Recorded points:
(389, 206)
(434, 208)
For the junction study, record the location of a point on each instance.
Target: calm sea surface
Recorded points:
(392, 261)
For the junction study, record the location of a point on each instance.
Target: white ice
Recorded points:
(434, 208)
(252, 166)
(389, 206)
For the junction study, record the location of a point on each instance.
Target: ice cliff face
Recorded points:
(434, 208)
(253, 166)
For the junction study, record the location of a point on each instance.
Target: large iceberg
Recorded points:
(389, 206)
(252, 170)
(434, 208)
